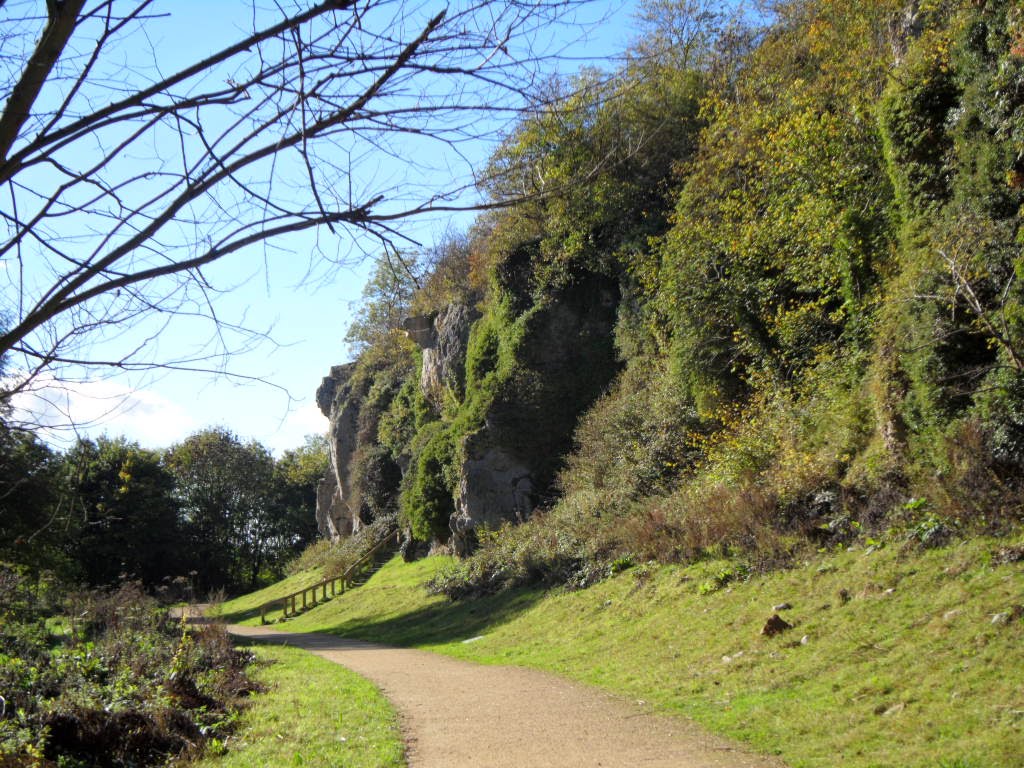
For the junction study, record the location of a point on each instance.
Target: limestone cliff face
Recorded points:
(505, 464)
(494, 486)
(335, 515)
(331, 518)
(567, 359)
(443, 338)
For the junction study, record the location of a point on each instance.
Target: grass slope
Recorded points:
(245, 609)
(902, 663)
(342, 720)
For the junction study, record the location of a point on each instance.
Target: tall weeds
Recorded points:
(110, 680)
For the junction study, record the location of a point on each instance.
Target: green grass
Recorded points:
(342, 720)
(245, 609)
(909, 670)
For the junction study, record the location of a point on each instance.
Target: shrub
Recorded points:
(336, 557)
(427, 498)
(1001, 411)
(967, 487)
(376, 480)
(313, 556)
(637, 439)
(408, 412)
(514, 556)
(913, 114)
(126, 687)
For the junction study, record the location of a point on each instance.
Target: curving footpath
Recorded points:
(457, 714)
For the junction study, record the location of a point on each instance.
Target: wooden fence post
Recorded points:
(289, 603)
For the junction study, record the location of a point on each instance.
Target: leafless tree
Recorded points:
(121, 186)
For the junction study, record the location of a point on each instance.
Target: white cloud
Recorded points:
(162, 414)
(291, 433)
(61, 411)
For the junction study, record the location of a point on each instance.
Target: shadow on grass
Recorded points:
(273, 615)
(237, 617)
(442, 622)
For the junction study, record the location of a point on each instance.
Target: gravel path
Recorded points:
(456, 714)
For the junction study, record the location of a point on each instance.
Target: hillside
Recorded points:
(756, 337)
(765, 301)
(895, 658)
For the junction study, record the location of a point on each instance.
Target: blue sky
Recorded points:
(307, 317)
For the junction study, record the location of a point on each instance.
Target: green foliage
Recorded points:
(294, 485)
(637, 439)
(913, 115)
(23, 609)
(1002, 408)
(377, 477)
(952, 123)
(602, 154)
(769, 288)
(447, 279)
(309, 461)
(428, 491)
(30, 487)
(541, 551)
(781, 222)
(386, 299)
(121, 685)
(482, 354)
(408, 412)
(212, 511)
(321, 559)
(224, 488)
(126, 515)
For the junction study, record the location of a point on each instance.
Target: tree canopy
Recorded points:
(212, 511)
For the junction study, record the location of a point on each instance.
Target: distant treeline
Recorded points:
(210, 512)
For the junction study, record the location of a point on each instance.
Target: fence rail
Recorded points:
(307, 597)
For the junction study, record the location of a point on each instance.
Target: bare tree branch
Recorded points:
(122, 185)
(63, 16)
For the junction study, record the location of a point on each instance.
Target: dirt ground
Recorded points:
(456, 714)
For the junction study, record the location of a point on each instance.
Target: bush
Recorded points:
(535, 552)
(1001, 411)
(376, 478)
(636, 440)
(408, 412)
(124, 686)
(336, 557)
(427, 497)
(966, 489)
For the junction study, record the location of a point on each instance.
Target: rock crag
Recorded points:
(505, 460)
(334, 515)
(443, 338)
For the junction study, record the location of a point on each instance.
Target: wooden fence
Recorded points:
(314, 594)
